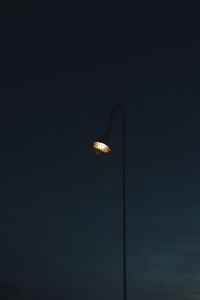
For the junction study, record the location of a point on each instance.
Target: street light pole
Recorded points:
(102, 145)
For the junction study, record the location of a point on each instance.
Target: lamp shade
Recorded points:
(101, 145)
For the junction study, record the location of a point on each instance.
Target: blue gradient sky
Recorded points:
(60, 216)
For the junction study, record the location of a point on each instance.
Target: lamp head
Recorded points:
(101, 145)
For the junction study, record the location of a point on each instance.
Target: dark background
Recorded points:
(62, 68)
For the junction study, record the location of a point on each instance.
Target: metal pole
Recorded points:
(124, 234)
(124, 208)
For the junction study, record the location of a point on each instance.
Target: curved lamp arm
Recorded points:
(114, 108)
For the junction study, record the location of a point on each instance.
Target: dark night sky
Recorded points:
(62, 69)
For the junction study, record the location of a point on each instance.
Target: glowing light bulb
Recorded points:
(101, 147)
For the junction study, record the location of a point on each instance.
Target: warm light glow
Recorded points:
(101, 147)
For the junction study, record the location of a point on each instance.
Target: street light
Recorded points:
(102, 145)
